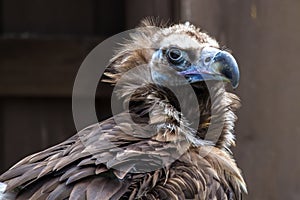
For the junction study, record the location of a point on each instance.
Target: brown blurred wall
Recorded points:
(264, 37)
(44, 42)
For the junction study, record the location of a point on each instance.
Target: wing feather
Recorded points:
(73, 169)
(102, 188)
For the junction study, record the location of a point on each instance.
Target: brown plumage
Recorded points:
(111, 159)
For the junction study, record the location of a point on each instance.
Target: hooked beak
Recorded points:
(214, 65)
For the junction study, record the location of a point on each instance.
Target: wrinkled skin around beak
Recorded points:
(214, 64)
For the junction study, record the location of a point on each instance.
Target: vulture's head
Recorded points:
(193, 55)
(177, 56)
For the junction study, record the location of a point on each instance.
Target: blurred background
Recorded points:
(43, 43)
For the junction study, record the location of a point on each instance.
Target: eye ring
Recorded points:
(175, 56)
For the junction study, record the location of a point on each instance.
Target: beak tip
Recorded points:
(235, 77)
(235, 85)
(230, 68)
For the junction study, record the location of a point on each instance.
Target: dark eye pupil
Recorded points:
(175, 54)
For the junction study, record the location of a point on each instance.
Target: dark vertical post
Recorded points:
(1, 110)
(1, 17)
(1, 137)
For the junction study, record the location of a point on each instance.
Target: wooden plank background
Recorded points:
(43, 43)
(264, 37)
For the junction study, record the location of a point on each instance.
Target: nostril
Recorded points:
(208, 59)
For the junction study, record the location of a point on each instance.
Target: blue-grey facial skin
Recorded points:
(165, 73)
(213, 64)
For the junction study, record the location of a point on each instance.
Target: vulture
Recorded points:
(173, 139)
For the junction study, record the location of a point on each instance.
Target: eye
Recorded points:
(175, 56)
